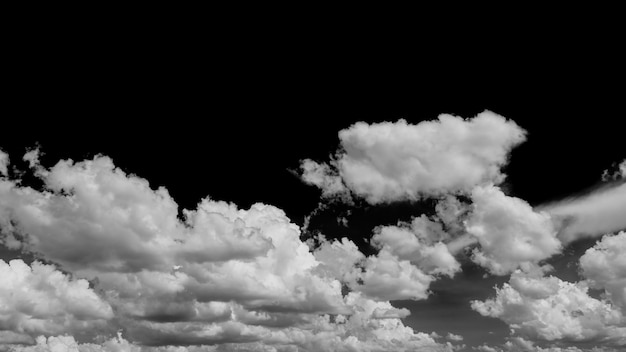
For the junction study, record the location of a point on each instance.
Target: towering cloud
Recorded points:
(394, 161)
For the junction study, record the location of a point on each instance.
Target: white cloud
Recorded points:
(386, 277)
(519, 344)
(32, 157)
(322, 176)
(548, 308)
(387, 161)
(597, 213)
(454, 337)
(509, 231)
(604, 265)
(39, 299)
(4, 163)
(419, 248)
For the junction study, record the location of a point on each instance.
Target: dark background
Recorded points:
(230, 122)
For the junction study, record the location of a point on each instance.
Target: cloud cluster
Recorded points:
(519, 344)
(240, 279)
(548, 308)
(221, 278)
(387, 161)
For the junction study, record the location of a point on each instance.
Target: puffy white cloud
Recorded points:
(454, 337)
(597, 213)
(339, 259)
(419, 247)
(39, 299)
(386, 277)
(604, 265)
(4, 163)
(509, 231)
(550, 309)
(32, 157)
(390, 274)
(322, 176)
(387, 161)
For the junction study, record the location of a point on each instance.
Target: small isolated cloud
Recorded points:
(509, 231)
(597, 213)
(547, 308)
(4, 163)
(39, 299)
(322, 176)
(387, 161)
(32, 157)
(454, 337)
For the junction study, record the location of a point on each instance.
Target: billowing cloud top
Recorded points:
(387, 161)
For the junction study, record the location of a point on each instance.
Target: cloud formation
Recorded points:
(240, 279)
(387, 161)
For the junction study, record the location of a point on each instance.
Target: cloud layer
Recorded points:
(222, 278)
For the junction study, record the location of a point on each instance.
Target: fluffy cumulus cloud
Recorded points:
(423, 247)
(233, 278)
(509, 231)
(547, 308)
(39, 299)
(387, 161)
(604, 265)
